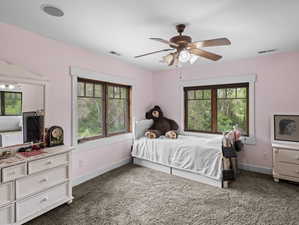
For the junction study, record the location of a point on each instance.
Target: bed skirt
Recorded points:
(180, 173)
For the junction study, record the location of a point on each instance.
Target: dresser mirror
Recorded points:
(21, 113)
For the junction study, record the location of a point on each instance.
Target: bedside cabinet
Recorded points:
(285, 162)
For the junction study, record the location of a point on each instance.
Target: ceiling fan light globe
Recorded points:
(193, 58)
(184, 56)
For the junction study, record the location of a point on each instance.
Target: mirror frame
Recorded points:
(13, 73)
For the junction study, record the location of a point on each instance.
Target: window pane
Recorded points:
(80, 88)
(117, 115)
(241, 92)
(123, 92)
(231, 112)
(221, 93)
(191, 94)
(110, 91)
(207, 94)
(89, 89)
(90, 117)
(199, 94)
(97, 90)
(199, 115)
(116, 92)
(13, 103)
(231, 92)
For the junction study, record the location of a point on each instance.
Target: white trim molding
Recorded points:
(18, 74)
(75, 73)
(256, 169)
(251, 79)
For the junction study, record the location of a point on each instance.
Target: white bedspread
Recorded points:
(196, 154)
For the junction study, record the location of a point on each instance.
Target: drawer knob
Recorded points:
(49, 162)
(44, 199)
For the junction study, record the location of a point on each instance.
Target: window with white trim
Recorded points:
(103, 109)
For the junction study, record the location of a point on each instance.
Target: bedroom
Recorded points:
(97, 41)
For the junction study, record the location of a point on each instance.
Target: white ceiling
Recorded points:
(124, 26)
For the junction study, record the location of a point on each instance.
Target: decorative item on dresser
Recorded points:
(54, 136)
(33, 185)
(285, 145)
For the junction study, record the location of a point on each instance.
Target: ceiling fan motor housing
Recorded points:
(181, 40)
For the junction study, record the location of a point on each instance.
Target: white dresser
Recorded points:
(32, 186)
(285, 162)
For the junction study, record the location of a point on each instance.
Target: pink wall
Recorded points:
(52, 59)
(276, 91)
(277, 79)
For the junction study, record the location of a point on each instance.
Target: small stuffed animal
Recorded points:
(161, 125)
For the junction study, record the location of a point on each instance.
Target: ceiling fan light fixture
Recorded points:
(184, 56)
(193, 58)
(168, 58)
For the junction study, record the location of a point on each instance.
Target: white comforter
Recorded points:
(196, 154)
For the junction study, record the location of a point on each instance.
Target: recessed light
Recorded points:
(52, 10)
(267, 51)
(115, 53)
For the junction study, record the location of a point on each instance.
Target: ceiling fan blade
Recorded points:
(210, 43)
(165, 42)
(205, 54)
(164, 50)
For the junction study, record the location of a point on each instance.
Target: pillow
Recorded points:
(140, 128)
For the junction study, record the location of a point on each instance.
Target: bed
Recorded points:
(192, 157)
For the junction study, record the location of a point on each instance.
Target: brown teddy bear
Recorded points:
(161, 125)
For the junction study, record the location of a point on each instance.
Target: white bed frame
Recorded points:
(178, 172)
(139, 130)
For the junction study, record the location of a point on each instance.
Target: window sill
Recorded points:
(246, 140)
(104, 141)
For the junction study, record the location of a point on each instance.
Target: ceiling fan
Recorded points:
(185, 49)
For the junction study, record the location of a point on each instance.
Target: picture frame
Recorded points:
(286, 127)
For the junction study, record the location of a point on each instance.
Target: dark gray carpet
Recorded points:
(134, 195)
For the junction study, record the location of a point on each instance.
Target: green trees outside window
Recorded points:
(10, 103)
(216, 109)
(103, 109)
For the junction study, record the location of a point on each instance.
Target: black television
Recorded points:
(33, 127)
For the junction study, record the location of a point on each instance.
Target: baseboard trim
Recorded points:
(99, 172)
(257, 169)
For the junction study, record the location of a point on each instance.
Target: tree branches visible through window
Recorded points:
(103, 109)
(216, 109)
(10, 103)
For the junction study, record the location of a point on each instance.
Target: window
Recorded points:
(215, 109)
(10, 103)
(103, 109)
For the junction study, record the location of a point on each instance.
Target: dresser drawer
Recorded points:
(7, 193)
(288, 156)
(14, 172)
(42, 201)
(7, 214)
(291, 170)
(47, 163)
(40, 181)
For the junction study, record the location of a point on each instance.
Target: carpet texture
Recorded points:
(133, 195)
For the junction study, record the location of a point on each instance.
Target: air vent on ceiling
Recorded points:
(52, 10)
(115, 53)
(267, 51)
